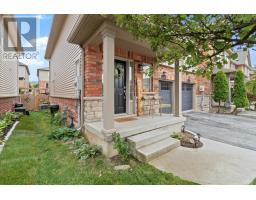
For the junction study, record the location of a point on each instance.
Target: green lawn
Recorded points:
(30, 158)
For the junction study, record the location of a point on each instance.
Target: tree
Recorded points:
(199, 40)
(239, 95)
(220, 88)
(251, 91)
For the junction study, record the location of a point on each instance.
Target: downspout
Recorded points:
(81, 117)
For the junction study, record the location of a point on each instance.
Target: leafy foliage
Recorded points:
(199, 40)
(251, 87)
(59, 119)
(220, 87)
(84, 150)
(5, 122)
(239, 96)
(64, 133)
(121, 146)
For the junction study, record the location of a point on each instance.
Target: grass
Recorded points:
(30, 158)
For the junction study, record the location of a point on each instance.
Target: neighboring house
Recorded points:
(243, 63)
(97, 73)
(9, 90)
(24, 73)
(43, 75)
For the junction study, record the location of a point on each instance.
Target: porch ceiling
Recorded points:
(88, 30)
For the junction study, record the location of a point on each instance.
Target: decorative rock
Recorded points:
(122, 167)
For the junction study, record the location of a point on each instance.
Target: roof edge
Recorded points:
(57, 25)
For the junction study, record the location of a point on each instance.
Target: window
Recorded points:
(165, 85)
(21, 78)
(147, 81)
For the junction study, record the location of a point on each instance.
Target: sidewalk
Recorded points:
(214, 163)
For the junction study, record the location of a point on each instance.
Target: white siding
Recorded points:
(8, 72)
(62, 63)
(43, 75)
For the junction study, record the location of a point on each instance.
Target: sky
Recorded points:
(43, 33)
(44, 30)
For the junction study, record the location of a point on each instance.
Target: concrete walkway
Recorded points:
(214, 163)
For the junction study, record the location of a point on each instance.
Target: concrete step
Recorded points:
(154, 150)
(144, 139)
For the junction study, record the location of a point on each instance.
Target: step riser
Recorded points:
(176, 127)
(149, 141)
(141, 157)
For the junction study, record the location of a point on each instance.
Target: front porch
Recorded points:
(142, 131)
(114, 81)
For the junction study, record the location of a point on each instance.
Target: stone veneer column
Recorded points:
(177, 91)
(108, 81)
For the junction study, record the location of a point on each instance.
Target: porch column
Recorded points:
(177, 91)
(108, 81)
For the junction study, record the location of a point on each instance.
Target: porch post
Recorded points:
(108, 81)
(177, 91)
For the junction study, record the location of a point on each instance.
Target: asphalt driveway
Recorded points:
(235, 130)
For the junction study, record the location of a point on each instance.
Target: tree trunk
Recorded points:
(219, 108)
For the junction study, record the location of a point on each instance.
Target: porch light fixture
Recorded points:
(163, 76)
(189, 79)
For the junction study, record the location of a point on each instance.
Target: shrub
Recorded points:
(59, 119)
(121, 146)
(64, 133)
(84, 150)
(6, 121)
(177, 136)
(239, 96)
(220, 88)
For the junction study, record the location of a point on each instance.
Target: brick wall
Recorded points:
(93, 72)
(6, 104)
(93, 80)
(186, 77)
(71, 104)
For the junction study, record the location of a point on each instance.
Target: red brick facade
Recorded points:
(93, 67)
(93, 71)
(186, 78)
(71, 104)
(6, 104)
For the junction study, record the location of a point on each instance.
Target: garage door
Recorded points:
(166, 95)
(187, 96)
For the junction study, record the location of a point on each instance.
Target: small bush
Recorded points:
(177, 136)
(84, 150)
(59, 119)
(121, 146)
(6, 121)
(64, 133)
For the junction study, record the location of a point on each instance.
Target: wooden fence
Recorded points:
(32, 101)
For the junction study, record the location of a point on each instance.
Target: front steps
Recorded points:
(152, 144)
